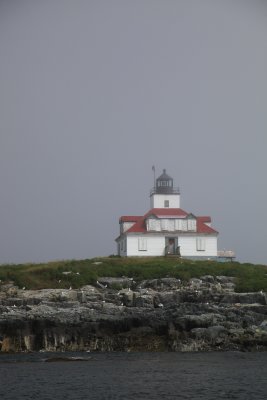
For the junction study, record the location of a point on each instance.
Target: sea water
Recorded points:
(209, 376)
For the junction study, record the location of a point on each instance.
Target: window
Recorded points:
(166, 203)
(201, 244)
(191, 224)
(164, 225)
(184, 225)
(142, 244)
(171, 225)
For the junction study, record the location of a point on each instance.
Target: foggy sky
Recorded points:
(93, 93)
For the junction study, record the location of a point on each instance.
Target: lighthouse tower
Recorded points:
(164, 194)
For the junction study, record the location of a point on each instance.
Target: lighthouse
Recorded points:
(166, 229)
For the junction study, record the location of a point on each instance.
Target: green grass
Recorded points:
(249, 277)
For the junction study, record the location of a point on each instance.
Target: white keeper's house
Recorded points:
(166, 229)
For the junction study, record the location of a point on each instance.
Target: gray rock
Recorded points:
(207, 278)
(161, 314)
(195, 282)
(263, 325)
(116, 283)
(244, 298)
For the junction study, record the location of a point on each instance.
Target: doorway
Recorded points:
(171, 244)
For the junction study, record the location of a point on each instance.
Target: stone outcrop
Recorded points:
(119, 314)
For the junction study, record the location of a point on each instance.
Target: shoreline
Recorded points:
(118, 315)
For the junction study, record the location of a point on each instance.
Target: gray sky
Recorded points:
(93, 93)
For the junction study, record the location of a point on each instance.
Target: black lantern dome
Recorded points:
(164, 183)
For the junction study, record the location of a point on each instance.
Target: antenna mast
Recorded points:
(154, 172)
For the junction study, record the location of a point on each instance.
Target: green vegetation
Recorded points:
(77, 273)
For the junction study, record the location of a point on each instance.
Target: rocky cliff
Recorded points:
(121, 315)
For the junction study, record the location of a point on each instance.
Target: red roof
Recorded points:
(166, 212)
(205, 219)
(140, 226)
(203, 228)
(130, 218)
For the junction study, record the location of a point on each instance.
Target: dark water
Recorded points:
(135, 376)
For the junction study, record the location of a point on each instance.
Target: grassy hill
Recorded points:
(77, 273)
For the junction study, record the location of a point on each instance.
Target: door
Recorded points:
(171, 245)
